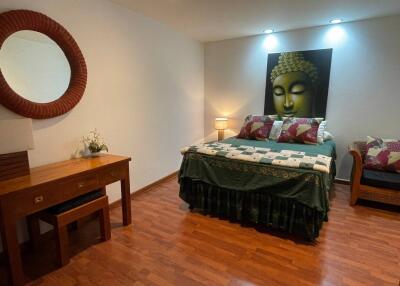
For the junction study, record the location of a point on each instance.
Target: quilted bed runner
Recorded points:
(285, 158)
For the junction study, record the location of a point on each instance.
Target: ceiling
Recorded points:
(213, 20)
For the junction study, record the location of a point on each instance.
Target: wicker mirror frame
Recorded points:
(17, 20)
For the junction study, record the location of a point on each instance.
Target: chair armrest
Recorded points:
(356, 173)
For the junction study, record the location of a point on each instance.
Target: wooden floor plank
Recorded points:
(169, 245)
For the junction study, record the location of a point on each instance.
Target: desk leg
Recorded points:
(126, 200)
(8, 228)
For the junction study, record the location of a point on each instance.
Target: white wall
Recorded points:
(145, 91)
(364, 95)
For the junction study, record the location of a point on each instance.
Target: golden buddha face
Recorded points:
(293, 94)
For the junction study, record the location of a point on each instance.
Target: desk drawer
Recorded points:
(50, 195)
(80, 184)
(111, 175)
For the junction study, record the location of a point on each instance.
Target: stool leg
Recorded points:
(34, 231)
(62, 244)
(105, 225)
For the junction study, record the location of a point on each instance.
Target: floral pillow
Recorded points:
(382, 154)
(379, 142)
(300, 130)
(257, 127)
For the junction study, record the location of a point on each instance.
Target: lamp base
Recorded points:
(220, 135)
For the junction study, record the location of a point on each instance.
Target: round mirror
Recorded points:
(34, 66)
(46, 79)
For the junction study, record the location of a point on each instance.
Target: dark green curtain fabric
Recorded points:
(291, 199)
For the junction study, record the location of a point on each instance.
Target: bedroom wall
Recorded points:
(145, 90)
(364, 96)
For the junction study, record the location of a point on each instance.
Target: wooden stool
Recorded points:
(62, 215)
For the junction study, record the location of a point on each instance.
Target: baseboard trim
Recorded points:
(145, 189)
(342, 181)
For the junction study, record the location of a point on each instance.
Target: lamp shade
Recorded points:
(16, 135)
(221, 123)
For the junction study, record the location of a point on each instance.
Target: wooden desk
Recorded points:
(52, 184)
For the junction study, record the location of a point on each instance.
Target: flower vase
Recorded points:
(95, 154)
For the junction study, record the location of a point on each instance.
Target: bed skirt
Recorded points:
(260, 207)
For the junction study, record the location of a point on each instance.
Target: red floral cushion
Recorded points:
(300, 130)
(257, 127)
(373, 142)
(382, 154)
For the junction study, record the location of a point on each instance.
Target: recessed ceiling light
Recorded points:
(268, 31)
(336, 21)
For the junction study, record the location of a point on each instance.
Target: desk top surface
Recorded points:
(59, 170)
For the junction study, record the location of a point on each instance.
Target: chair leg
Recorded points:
(62, 245)
(33, 225)
(105, 225)
(354, 196)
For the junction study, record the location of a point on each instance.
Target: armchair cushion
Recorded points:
(381, 179)
(383, 154)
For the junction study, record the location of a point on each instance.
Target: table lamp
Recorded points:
(221, 123)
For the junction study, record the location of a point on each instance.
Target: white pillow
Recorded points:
(320, 134)
(327, 136)
(276, 130)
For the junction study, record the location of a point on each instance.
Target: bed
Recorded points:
(292, 199)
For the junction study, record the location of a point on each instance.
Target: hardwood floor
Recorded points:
(169, 245)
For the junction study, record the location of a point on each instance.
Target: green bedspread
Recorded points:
(292, 199)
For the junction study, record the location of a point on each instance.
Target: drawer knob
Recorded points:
(81, 184)
(38, 199)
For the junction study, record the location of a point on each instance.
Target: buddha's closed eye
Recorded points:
(279, 91)
(298, 88)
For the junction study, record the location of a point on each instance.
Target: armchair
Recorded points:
(372, 185)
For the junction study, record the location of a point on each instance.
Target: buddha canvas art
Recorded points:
(297, 83)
